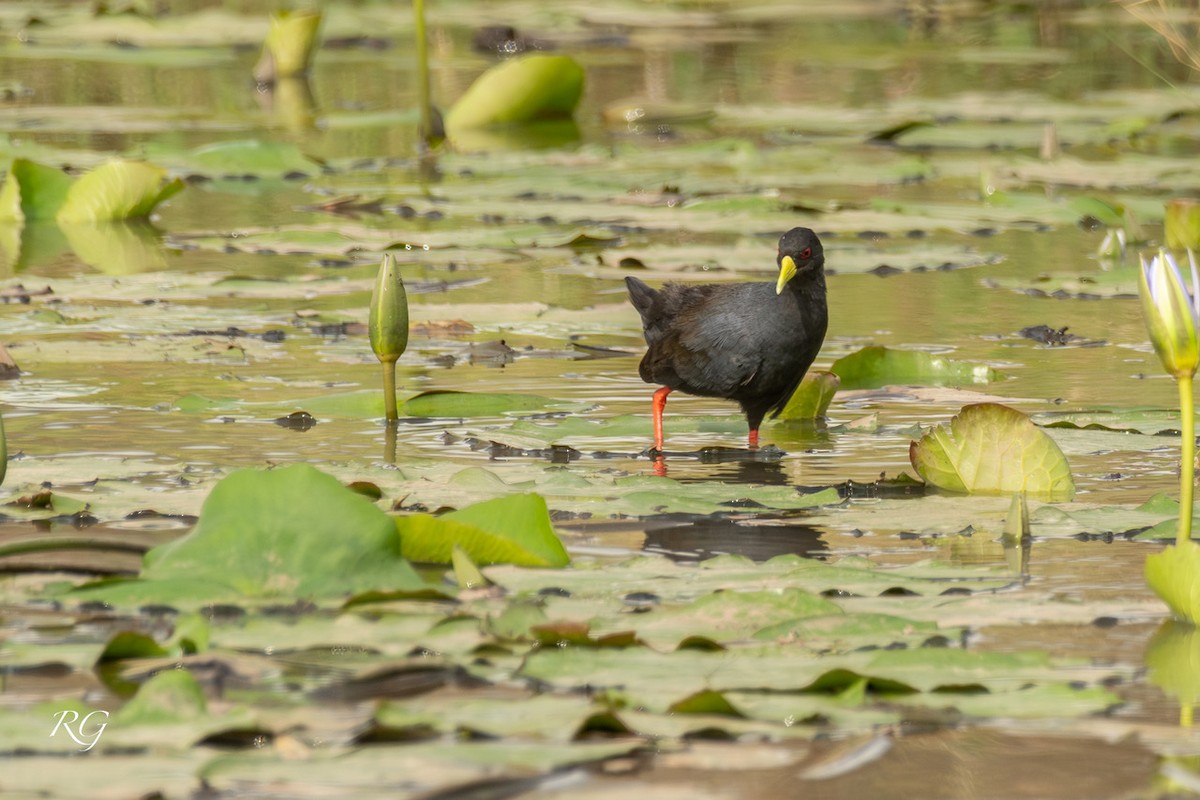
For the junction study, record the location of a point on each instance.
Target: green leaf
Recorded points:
(32, 191)
(1174, 575)
(876, 366)
(532, 87)
(992, 449)
(117, 190)
(812, 397)
(508, 530)
(290, 532)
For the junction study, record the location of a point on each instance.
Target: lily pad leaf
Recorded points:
(989, 448)
(812, 397)
(32, 191)
(291, 532)
(115, 191)
(1174, 575)
(533, 87)
(876, 366)
(507, 530)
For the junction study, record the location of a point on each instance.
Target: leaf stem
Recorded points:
(427, 132)
(1187, 466)
(389, 389)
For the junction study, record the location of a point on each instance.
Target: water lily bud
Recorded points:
(388, 323)
(1172, 312)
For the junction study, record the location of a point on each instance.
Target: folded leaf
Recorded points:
(32, 191)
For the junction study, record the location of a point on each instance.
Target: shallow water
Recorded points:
(797, 91)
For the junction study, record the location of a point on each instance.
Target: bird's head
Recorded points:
(800, 253)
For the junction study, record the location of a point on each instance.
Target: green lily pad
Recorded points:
(992, 449)
(290, 532)
(876, 366)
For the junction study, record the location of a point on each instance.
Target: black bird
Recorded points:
(748, 342)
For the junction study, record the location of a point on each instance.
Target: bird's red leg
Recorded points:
(660, 403)
(754, 438)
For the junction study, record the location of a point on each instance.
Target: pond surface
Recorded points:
(162, 357)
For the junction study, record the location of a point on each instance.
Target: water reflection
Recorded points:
(698, 539)
(114, 248)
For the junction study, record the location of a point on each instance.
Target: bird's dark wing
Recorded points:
(717, 353)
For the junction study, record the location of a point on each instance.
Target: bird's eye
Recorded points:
(806, 254)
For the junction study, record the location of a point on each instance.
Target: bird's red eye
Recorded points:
(806, 254)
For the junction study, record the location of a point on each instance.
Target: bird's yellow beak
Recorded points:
(787, 271)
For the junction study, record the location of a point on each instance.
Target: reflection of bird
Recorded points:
(749, 342)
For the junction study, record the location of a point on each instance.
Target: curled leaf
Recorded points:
(525, 89)
(989, 448)
(115, 191)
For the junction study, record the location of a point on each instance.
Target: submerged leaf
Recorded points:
(117, 190)
(992, 449)
(524, 89)
(471, 404)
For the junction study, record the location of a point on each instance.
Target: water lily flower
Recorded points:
(1172, 310)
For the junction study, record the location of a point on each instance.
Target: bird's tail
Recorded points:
(641, 295)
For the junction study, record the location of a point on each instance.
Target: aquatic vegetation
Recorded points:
(990, 448)
(387, 327)
(524, 89)
(1171, 308)
(289, 46)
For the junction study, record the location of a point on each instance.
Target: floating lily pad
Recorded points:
(290, 532)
